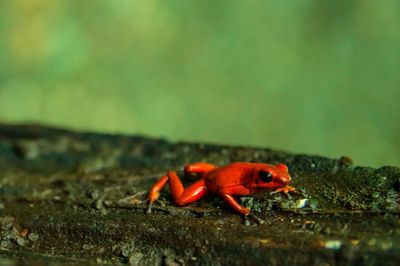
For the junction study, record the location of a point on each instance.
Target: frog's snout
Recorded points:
(286, 180)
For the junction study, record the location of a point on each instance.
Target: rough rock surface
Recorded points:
(77, 198)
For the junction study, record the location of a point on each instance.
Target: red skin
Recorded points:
(239, 179)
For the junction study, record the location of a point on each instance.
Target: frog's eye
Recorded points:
(265, 176)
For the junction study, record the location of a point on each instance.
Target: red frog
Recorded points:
(237, 178)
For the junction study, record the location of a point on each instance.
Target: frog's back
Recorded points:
(234, 174)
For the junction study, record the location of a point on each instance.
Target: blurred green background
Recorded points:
(306, 76)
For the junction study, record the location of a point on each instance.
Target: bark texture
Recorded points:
(77, 198)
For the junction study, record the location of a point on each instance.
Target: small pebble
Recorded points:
(108, 203)
(33, 237)
(95, 194)
(333, 244)
(86, 247)
(313, 204)
(170, 261)
(345, 161)
(20, 241)
(6, 222)
(125, 252)
(4, 244)
(301, 203)
(57, 198)
(98, 204)
(135, 258)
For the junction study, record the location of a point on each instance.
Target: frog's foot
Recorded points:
(286, 189)
(149, 207)
(255, 218)
(134, 199)
(154, 192)
(153, 196)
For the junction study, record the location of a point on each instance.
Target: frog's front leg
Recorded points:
(286, 189)
(181, 195)
(226, 194)
(239, 208)
(234, 204)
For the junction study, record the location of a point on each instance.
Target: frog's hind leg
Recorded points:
(198, 168)
(181, 195)
(184, 196)
(154, 192)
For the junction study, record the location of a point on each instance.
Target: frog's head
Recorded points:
(271, 176)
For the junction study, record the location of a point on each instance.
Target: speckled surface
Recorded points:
(77, 198)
